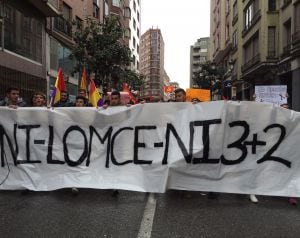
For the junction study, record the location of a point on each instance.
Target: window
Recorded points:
(235, 9)
(137, 48)
(271, 41)
(27, 39)
(227, 32)
(66, 12)
(138, 32)
(116, 3)
(202, 59)
(227, 6)
(251, 50)
(60, 57)
(297, 18)
(79, 22)
(133, 60)
(95, 9)
(127, 12)
(138, 16)
(234, 39)
(134, 6)
(287, 32)
(134, 24)
(133, 42)
(106, 8)
(249, 13)
(127, 33)
(272, 5)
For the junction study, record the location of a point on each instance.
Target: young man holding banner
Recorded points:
(12, 98)
(180, 95)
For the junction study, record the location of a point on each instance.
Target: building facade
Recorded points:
(152, 64)
(135, 33)
(23, 44)
(60, 42)
(198, 55)
(36, 39)
(263, 44)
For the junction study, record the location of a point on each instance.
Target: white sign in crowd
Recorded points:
(276, 94)
(235, 147)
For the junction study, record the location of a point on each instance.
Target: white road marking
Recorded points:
(148, 217)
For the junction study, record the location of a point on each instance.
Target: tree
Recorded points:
(210, 77)
(134, 80)
(99, 48)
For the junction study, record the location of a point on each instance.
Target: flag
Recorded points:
(83, 84)
(58, 87)
(131, 97)
(95, 97)
(169, 89)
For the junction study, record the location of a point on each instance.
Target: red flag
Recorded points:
(131, 97)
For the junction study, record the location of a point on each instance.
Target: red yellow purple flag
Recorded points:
(58, 87)
(94, 95)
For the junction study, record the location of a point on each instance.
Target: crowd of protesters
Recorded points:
(39, 99)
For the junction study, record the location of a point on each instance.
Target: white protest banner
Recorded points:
(276, 94)
(245, 147)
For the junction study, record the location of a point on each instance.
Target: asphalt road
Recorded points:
(96, 213)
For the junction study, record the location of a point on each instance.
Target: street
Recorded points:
(96, 213)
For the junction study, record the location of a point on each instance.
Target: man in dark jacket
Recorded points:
(12, 98)
(64, 100)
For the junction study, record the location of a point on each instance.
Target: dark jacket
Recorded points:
(63, 104)
(5, 102)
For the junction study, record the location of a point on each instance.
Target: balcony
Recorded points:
(234, 49)
(48, 8)
(295, 51)
(271, 54)
(63, 26)
(286, 50)
(285, 4)
(54, 3)
(235, 19)
(251, 62)
(251, 23)
(296, 37)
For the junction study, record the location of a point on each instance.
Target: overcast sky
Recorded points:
(181, 24)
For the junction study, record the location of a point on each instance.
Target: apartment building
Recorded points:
(121, 9)
(263, 44)
(23, 44)
(152, 64)
(198, 55)
(135, 33)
